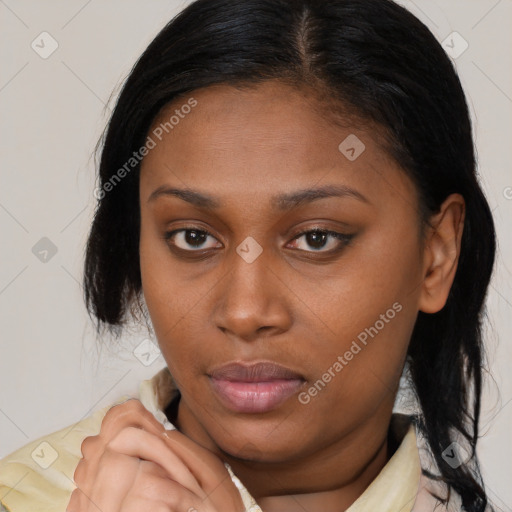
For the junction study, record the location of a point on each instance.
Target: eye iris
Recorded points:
(316, 239)
(195, 238)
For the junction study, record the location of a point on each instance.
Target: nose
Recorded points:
(252, 300)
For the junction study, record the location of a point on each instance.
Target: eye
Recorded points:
(190, 239)
(321, 240)
(315, 240)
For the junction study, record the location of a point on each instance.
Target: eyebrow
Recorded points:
(281, 201)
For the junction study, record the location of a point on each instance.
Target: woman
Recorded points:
(288, 193)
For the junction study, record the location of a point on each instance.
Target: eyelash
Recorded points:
(343, 238)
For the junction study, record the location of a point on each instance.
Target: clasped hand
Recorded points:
(135, 465)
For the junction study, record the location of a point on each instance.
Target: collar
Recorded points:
(394, 488)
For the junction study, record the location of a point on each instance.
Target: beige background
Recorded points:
(52, 111)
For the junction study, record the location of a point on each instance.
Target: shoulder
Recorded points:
(38, 477)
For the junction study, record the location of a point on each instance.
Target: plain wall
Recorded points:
(52, 112)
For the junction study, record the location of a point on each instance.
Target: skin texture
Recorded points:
(133, 464)
(297, 304)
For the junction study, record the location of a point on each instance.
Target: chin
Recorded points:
(261, 450)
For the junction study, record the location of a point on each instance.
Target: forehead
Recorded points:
(271, 115)
(269, 137)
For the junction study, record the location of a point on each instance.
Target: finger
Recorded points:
(84, 475)
(207, 468)
(135, 442)
(130, 413)
(114, 478)
(143, 505)
(91, 445)
(80, 473)
(149, 488)
(74, 501)
(80, 501)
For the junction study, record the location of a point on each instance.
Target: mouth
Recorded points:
(254, 388)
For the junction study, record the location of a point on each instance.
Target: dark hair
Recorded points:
(376, 58)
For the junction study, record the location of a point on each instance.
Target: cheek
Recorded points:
(168, 300)
(368, 314)
(167, 296)
(383, 267)
(157, 284)
(358, 372)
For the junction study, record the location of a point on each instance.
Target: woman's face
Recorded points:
(238, 179)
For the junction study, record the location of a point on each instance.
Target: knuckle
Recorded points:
(131, 404)
(79, 472)
(89, 446)
(130, 408)
(119, 413)
(124, 436)
(74, 501)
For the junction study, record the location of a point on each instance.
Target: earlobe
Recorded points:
(441, 253)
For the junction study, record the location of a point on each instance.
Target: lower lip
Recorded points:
(255, 397)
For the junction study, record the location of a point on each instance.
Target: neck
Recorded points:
(330, 479)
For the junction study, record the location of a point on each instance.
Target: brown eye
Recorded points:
(192, 239)
(319, 240)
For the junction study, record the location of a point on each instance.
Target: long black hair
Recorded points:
(380, 61)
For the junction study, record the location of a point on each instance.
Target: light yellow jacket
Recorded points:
(39, 476)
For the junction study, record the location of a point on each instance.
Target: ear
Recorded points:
(441, 253)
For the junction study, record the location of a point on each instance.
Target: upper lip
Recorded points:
(253, 372)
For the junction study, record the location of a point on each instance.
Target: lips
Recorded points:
(259, 372)
(254, 388)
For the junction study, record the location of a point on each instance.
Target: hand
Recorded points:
(134, 465)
